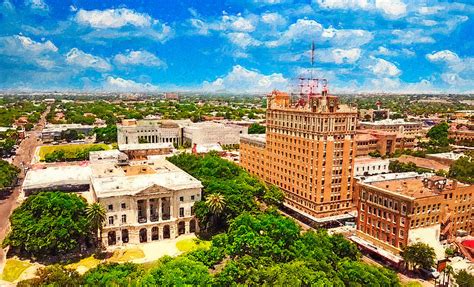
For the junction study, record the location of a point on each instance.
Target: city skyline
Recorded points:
(236, 46)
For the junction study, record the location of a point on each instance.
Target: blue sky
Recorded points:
(236, 45)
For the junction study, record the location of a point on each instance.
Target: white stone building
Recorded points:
(149, 131)
(145, 201)
(364, 166)
(212, 133)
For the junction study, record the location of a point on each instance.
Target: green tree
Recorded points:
(464, 279)
(419, 255)
(256, 129)
(463, 169)
(96, 215)
(180, 271)
(54, 276)
(113, 274)
(48, 224)
(216, 203)
(107, 134)
(8, 174)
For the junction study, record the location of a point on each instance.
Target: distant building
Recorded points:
(364, 166)
(145, 201)
(212, 133)
(308, 152)
(142, 151)
(396, 210)
(149, 131)
(52, 132)
(462, 135)
(446, 158)
(171, 96)
(397, 126)
(73, 178)
(384, 142)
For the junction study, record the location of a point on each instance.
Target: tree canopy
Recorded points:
(8, 174)
(419, 255)
(256, 129)
(463, 169)
(48, 224)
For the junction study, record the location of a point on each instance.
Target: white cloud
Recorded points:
(122, 85)
(347, 37)
(384, 68)
(350, 56)
(302, 29)
(238, 23)
(392, 8)
(445, 55)
(409, 37)
(307, 30)
(243, 40)
(242, 80)
(112, 18)
(42, 54)
(37, 4)
(273, 19)
(19, 44)
(139, 58)
(81, 59)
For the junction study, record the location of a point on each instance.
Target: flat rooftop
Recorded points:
(144, 146)
(415, 187)
(390, 122)
(113, 180)
(261, 138)
(423, 162)
(57, 175)
(369, 160)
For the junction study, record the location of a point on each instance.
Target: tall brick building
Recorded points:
(308, 152)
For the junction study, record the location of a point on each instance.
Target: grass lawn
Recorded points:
(412, 284)
(87, 263)
(126, 255)
(13, 269)
(191, 244)
(67, 148)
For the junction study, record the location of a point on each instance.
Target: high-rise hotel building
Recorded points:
(308, 152)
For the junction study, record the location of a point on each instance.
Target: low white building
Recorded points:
(145, 201)
(150, 131)
(73, 178)
(212, 133)
(364, 166)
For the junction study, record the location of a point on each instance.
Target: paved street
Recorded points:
(23, 158)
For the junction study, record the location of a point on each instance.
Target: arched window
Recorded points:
(166, 231)
(143, 235)
(111, 238)
(154, 233)
(125, 235)
(181, 228)
(192, 225)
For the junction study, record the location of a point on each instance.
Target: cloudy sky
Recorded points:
(236, 45)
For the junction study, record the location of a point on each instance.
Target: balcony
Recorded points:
(154, 217)
(142, 220)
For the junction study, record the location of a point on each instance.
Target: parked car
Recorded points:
(429, 273)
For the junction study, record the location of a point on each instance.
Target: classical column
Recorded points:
(147, 210)
(171, 206)
(186, 227)
(159, 210)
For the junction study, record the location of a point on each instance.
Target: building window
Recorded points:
(124, 218)
(110, 207)
(181, 212)
(192, 197)
(111, 220)
(123, 205)
(181, 198)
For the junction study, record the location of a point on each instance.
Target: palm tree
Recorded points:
(216, 203)
(95, 213)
